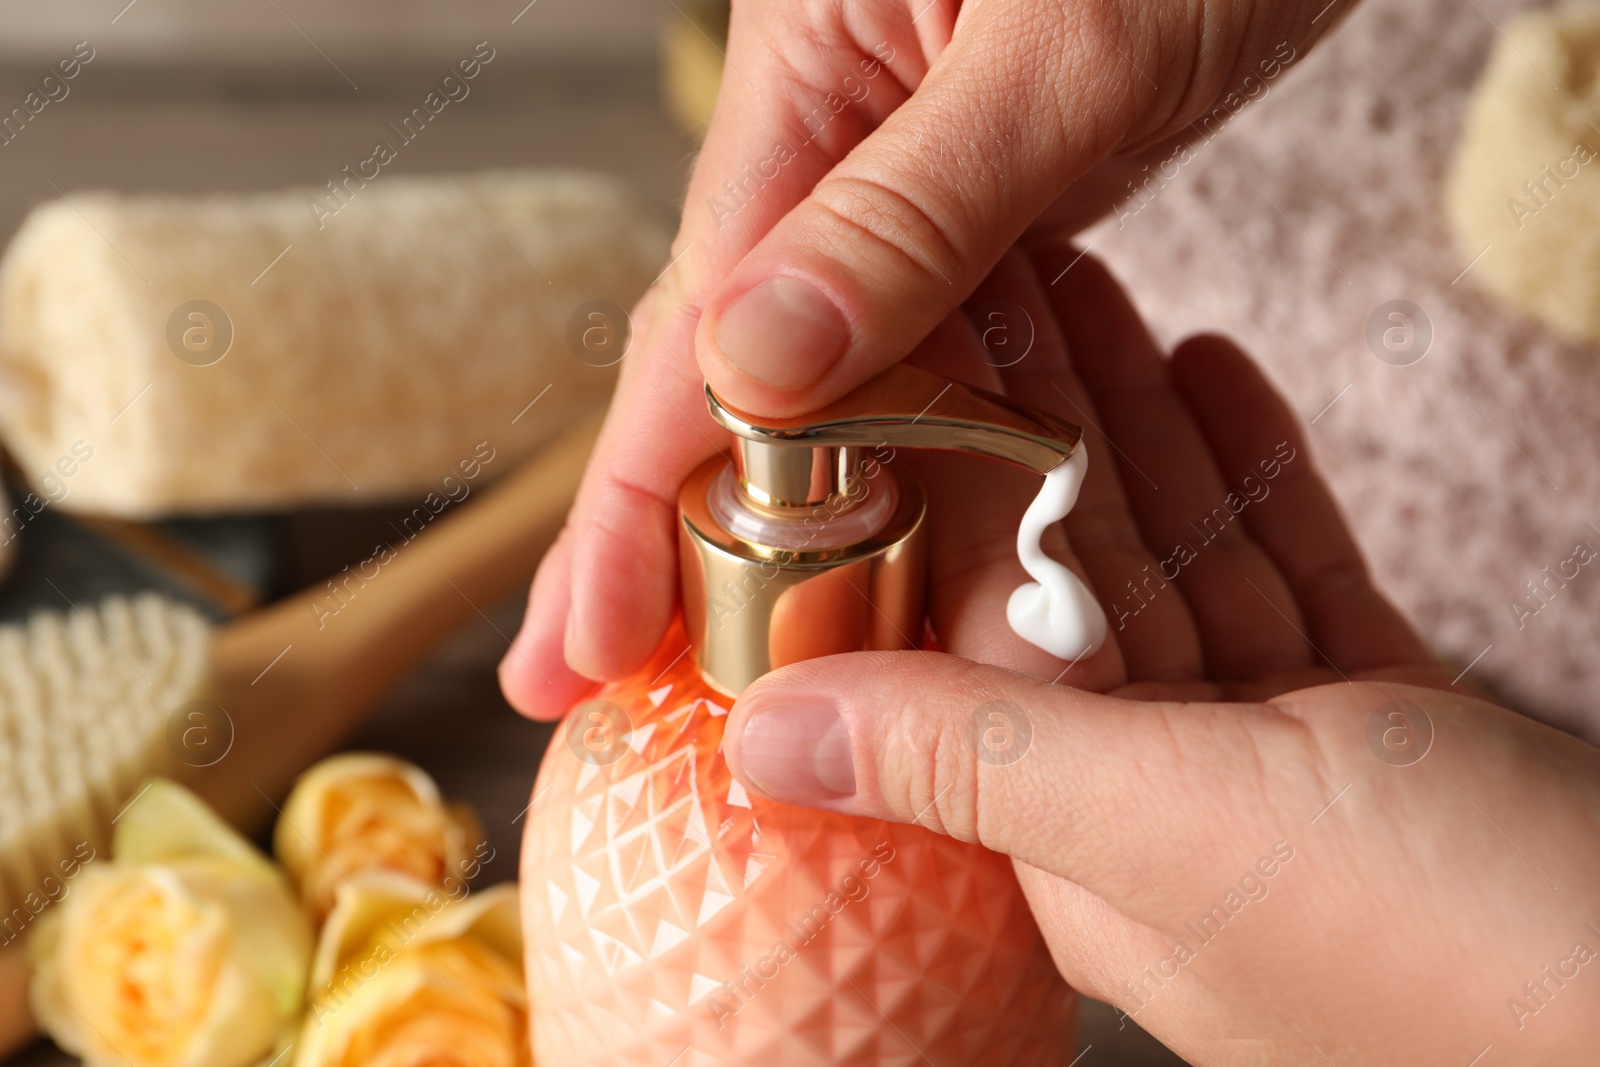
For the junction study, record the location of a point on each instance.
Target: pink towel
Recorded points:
(1469, 475)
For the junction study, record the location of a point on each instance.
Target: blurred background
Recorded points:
(168, 31)
(193, 95)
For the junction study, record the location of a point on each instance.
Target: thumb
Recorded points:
(900, 232)
(1118, 796)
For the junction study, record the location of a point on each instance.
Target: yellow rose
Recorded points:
(405, 976)
(366, 812)
(186, 949)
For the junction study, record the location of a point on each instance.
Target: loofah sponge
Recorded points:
(355, 344)
(1525, 181)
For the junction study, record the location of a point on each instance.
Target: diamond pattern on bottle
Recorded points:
(671, 917)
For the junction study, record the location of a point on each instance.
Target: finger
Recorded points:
(624, 560)
(1133, 802)
(902, 230)
(603, 603)
(1100, 528)
(534, 675)
(1241, 605)
(1260, 447)
(802, 85)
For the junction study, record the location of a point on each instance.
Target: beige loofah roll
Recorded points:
(235, 353)
(1525, 181)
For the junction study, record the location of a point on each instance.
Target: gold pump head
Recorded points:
(804, 461)
(808, 544)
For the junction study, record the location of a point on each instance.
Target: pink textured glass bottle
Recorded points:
(674, 919)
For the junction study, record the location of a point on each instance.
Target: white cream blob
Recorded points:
(1055, 611)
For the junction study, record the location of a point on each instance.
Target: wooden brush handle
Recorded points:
(295, 678)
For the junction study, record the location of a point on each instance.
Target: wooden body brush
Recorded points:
(95, 700)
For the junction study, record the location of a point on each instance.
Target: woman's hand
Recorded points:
(1276, 834)
(868, 164)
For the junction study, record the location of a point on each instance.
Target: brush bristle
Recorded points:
(85, 699)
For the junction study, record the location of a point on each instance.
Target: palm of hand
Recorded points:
(1229, 576)
(1223, 564)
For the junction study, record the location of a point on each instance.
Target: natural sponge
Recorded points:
(1525, 182)
(246, 352)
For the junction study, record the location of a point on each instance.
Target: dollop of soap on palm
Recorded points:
(1056, 611)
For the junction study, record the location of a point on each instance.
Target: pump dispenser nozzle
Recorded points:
(808, 545)
(805, 461)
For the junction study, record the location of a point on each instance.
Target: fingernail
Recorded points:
(784, 333)
(798, 752)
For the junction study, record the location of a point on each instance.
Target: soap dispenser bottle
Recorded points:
(671, 918)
